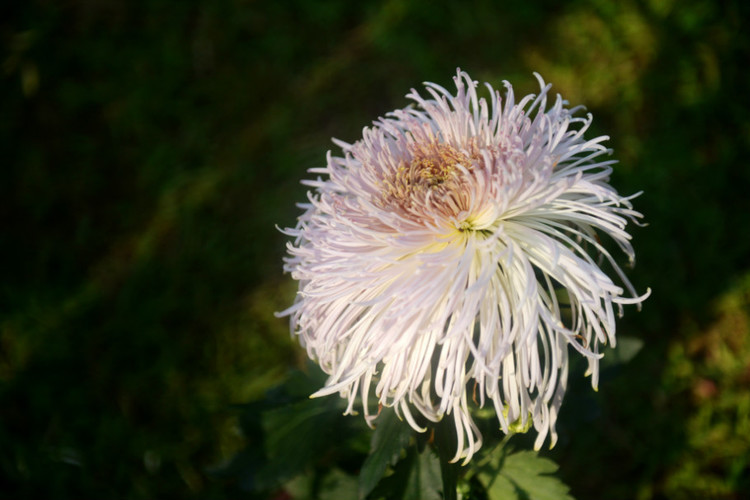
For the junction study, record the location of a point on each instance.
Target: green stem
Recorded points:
(445, 440)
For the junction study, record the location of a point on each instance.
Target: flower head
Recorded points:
(446, 257)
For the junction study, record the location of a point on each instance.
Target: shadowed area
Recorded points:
(150, 148)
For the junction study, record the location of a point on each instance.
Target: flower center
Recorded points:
(433, 169)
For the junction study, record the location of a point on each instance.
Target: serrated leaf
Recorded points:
(525, 475)
(500, 488)
(391, 436)
(289, 433)
(296, 435)
(416, 477)
(532, 474)
(424, 482)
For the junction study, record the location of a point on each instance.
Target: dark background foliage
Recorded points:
(149, 148)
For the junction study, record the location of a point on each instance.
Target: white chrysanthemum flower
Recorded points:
(447, 252)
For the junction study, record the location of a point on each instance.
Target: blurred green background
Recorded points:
(148, 148)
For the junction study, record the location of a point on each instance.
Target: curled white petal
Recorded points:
(456, 248)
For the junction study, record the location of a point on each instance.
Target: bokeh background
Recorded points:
(148, 149)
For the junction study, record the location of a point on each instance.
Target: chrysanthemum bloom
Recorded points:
(445, 257)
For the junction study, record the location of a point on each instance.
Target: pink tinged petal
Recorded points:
(431, 254)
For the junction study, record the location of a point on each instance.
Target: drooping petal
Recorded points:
(456, 247)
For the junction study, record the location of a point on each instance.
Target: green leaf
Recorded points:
(424, 482)
(297, 435)
(391, 436)
(290, 434)
(627, 348)
(338, 485)
(301, 486)
(446, 441)
(415, 477)
(500, 488)
(524, 476)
